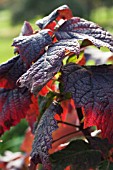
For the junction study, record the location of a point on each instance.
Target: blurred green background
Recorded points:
(12, 15)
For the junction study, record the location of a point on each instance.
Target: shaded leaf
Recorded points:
(92, 89)
(100, 144)
(43, 136)
(105, 165)
(31, 47)
(33, 112)
(79, 154)
(48, 65)
(26, 145)
(63, 12)
(82, 29)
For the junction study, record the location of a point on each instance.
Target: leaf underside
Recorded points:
(92, 89)
(82, 29)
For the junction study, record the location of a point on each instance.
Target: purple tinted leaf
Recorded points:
(14, 102)
(63, 12)
(98, 56)
(92, 89)
(26, 29)
(14, 105)
(31, 47)
(10, 71)
(82, 29)
(43, 136)
(48, 65)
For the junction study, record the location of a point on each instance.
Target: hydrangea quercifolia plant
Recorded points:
(49, 82)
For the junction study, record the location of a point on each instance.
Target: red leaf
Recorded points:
(15, 103)
(62, 12)
(47, 87)
(27, 142)
(32, 112)
(92, 89)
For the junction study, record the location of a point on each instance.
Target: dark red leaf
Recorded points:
(14, 104)
(48, 65)
(33, 112)
(63, 12)
(92, 89)
(31, 47)
(82, 29)
(43, 136)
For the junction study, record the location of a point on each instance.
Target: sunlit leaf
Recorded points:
(48, 65)
(63, 12)
(82, 29)
(31, 47)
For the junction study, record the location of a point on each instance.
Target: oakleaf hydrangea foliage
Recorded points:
(50, 61)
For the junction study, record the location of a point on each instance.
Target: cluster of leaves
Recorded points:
(49, 68)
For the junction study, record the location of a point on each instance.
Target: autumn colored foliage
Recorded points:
(67, 103)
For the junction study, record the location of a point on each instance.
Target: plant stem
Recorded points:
(69, 124)
(65, 136)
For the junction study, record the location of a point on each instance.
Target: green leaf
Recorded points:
(78, 154)
(105, 165)
(100, 144)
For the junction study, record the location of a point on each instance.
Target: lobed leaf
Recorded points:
(47, 65)
(92, 89)
(32, 46)
(43, 136)
(82, 29)
(63, 12)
